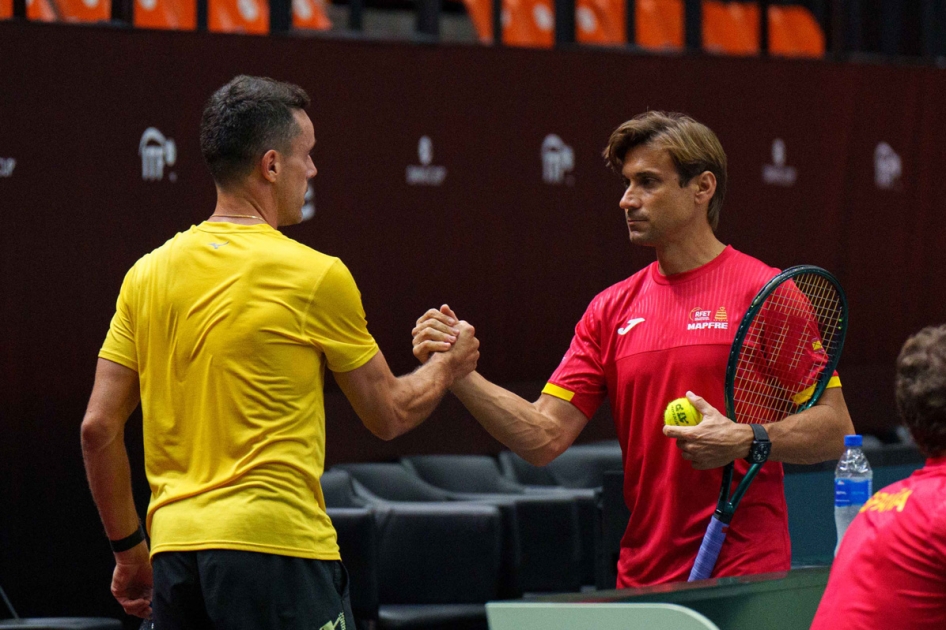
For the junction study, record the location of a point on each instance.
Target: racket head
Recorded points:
(787, 346)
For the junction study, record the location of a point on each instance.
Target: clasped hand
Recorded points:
(442, 331)
(715, 441)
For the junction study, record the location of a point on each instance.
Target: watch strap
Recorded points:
(126, 543)
(759, 433)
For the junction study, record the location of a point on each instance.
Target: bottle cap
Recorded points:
(853, 441)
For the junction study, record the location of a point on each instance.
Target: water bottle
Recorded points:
(852, 484)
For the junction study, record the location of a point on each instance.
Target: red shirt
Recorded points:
(644, 342)
(891, 568)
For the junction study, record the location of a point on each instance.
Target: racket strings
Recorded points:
(786, 348)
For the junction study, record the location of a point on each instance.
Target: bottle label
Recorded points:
(851, 492)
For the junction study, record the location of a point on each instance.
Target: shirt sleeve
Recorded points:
(336, 321)
(580, 377)
(119, 343)
(793, 345)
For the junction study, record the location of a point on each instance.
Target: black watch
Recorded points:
(761, 445)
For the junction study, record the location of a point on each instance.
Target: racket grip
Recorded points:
(709, 550)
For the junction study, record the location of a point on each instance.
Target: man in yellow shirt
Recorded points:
(224, 334)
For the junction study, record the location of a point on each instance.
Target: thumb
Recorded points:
(701, 405)
(446, 310)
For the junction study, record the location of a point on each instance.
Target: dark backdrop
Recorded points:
(516, 255)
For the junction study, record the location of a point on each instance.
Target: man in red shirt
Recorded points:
(659, 335)
(891, 568)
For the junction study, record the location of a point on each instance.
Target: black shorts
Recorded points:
(232, 590)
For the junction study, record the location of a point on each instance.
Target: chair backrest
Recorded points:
(338, 491)
(238, 16)
(393, 482)
(584, 465)
(462, 473)
(310, 15)
(519, 470)
(166, 14)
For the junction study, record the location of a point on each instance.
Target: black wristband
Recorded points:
(128, 542)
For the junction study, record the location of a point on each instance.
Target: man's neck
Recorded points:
(240, 206)
(688, 254)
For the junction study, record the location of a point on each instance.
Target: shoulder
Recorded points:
(616, 296)
(750, 266)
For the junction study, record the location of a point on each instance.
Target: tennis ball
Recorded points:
(682, 413)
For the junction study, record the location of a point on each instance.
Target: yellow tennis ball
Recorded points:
(682, 413)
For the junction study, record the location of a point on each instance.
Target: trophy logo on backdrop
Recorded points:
(308, 209)
(558, 159)
(778, 173)
(888, 167)
(6, 167)
(156, 152)
(426, 174)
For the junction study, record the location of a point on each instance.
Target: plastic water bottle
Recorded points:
(853, 480)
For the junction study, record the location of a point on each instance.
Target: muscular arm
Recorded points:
(812, 436)
(538, 432)
(114, 396)
(390, 406)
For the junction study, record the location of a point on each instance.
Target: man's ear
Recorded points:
(705, 187)
(270, 166)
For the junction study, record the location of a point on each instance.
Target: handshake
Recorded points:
(441, 336)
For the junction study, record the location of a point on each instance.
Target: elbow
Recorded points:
(95, 434)
(543, 455)
(387, 426)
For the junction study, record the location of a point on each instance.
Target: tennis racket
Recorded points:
(783, 355)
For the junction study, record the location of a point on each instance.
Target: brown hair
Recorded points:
(693, 147)
(921, 389)
(244, 119)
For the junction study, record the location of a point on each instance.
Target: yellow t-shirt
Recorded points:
(230, 328)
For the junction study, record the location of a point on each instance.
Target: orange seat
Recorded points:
(310, 15)
(794, 32)
(532, 22)
(166, 14)
(238, 16)
(42, 11)
(6, 9)
(658, 24)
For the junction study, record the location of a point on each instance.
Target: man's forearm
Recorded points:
(417, 395)
(109, 475)
(814, 435)
(512, 420)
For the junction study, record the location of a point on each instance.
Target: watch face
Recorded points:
(760, 452)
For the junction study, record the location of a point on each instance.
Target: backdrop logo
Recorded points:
(426, 174)
(6, 167)
(308, 209)
(887, 167)
(777, 173)
(557, 159)
(156, 152)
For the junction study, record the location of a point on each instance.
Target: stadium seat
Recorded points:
(481, 474)
(166, 14)
(41, 10)
(310, 15)
(580, 466)
(62, 10)
(56, 623)
(540, 534)
(438, 563)
(238, 16)
(730, 28)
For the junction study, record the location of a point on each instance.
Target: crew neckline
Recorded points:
(686, 276)
(227, 226)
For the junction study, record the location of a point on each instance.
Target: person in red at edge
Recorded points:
(659, 335)
(891, 568)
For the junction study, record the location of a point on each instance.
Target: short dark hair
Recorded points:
(243, 120)
(693, 147)
(921, 389)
